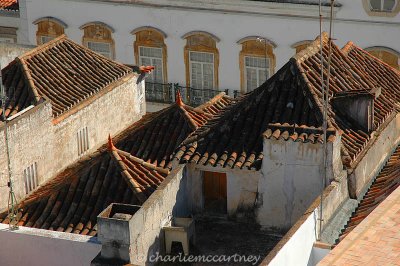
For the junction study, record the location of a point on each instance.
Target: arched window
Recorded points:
(386, 8)
(150, 50)
(256, 61)
(387, 55)
(48, 29)
(201, 61)
(299, 46)
(97, 36)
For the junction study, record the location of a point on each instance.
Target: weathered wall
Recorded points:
(109, 114)
(168, 200)
(292, 175)
(242, 188)
(9, 51)
(36, 137)
(298, 246)
(37, 247)
(31, 139)
(373, 161)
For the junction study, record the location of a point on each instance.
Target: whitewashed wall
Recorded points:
(292, 176)
(229, 20)
(242, 188)
(298, 248)
(38, 247)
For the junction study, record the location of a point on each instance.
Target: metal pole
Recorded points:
(265, 54)
(12, 202)
(325, 98)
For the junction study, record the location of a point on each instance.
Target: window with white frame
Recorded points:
(152, 56)
(82, 140)
(382, 5)
(257, 71)
(201, 70)
(103, 48)
(31, 178)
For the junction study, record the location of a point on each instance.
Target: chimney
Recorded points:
(357, 106)
(115, 227)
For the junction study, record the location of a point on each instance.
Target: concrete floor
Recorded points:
(216, 235)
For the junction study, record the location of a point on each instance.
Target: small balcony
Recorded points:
(165, 93)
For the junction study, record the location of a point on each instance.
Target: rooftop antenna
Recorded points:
(325, 95)
(12, 201)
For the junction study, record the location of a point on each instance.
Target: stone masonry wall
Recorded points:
(35, 136)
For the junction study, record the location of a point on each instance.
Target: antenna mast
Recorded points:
(325, 98)
(12, 201)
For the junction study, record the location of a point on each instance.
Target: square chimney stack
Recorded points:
(115, 229)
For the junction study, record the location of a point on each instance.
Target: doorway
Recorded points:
(215, 196)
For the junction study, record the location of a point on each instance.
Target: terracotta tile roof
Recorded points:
(296, 133)
(349, 74)
(61, 71)
(384, 184)
(11, 5)
(125, 173)
(217, 104)
(234, 139)
(71, 201)
(293, 96)
(375, 241)
(156, 136)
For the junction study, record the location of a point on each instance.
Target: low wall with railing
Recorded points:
(166, 92)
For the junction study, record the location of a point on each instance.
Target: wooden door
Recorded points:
(215, 191)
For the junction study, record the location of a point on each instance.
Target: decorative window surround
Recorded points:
(261, 50)
(201, 56)
(48, 29)
(387, 55)
(150, 49)
(97, 36)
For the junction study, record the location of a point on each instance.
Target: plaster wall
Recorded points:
(292, 175)
(230, 21)
(9, 51)
(373, 161)
(242, 188)
(168, 200)
(298, 248)
(317, 254)
(37, 247)
(31, 139)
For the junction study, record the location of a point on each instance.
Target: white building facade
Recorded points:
(209, 45)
